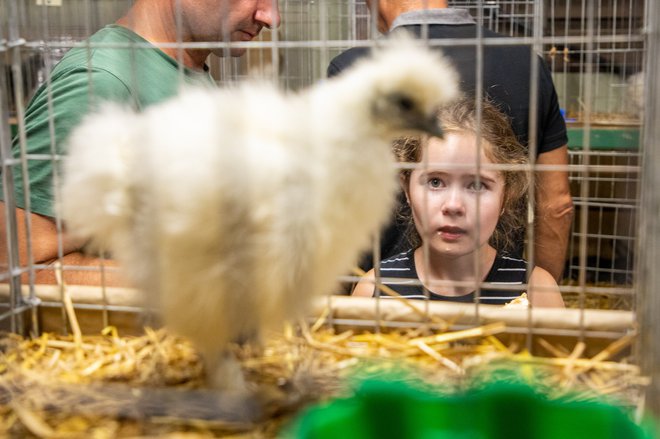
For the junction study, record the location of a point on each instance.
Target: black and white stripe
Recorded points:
(405, 281)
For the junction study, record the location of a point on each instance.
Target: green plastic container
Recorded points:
(500, 410)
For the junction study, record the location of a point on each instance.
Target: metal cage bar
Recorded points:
(649, 244)
(592, 47)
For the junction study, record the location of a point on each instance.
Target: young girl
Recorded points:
(464, 206)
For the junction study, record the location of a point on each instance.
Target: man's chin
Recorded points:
(233, 52)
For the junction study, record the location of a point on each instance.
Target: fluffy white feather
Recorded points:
(233, 208)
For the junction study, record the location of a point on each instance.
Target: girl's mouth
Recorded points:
(451, 233)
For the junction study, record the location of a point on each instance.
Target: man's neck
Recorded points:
(396, 8)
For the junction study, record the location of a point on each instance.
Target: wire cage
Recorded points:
(597, 52)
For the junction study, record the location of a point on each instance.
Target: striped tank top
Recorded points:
(505, 271)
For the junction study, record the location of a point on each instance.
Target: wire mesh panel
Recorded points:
(514, 18)
(595, 51)
(597, 80)
(611, 208)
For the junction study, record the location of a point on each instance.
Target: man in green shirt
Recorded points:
(122, 63)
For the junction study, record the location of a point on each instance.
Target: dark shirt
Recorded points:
(506, 81)
(504, 271)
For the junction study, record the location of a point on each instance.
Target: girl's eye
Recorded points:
(435, 182)
(477, 186)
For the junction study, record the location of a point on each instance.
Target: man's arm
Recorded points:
(553, 213)
(44, 251)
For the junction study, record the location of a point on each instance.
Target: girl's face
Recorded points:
(444, 196)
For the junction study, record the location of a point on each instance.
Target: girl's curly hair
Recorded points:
(500, 146)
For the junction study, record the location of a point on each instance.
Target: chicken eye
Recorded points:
(405, 103)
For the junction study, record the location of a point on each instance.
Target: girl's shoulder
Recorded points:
(542, 275)
(543, 289)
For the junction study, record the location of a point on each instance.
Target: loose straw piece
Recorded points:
(321, 320)
(70, 311)
(440, 358)
(32, 422)
(324, 346)
(581, 363)
(614, 347)
(498, 344)
(390, 292)
(490, 329)
(577, 353)
(63, 344)
(552, 349)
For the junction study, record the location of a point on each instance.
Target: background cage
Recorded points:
(594, 48)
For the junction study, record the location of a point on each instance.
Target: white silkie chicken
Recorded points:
(234, 208)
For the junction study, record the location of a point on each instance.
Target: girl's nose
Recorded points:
(453, 204)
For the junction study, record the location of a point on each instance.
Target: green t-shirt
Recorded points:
(114, 64)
